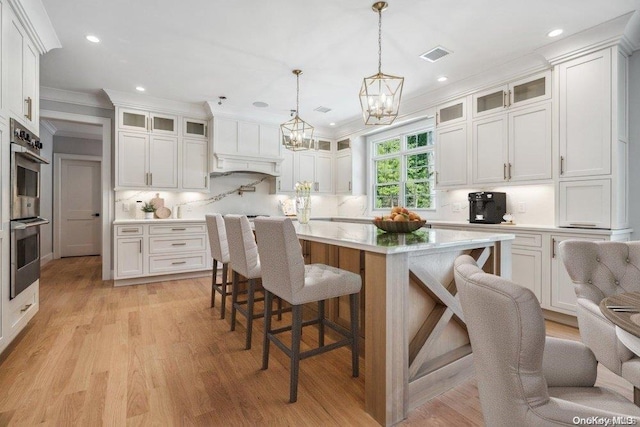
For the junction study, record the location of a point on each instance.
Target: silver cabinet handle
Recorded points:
(179, 244)
(509, 171)
(505, 102)
(150, 178)
(29, 103)
(129, 230)
(178, 262)
(553, 248)
(178, 229)
(561, 165)
(206, 130)
(437, 176)
(349, 185)
(504, 171)
(140, 246)
(279, 184)
(25, 308)
(509, 99)
(582, 224)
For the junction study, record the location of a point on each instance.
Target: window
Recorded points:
(403, 171)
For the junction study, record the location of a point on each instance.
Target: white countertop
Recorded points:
(368, 237)
(156, 221)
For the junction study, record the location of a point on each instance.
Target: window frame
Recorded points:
(401, 133)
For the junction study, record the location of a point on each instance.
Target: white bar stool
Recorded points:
(285, 275)
(220, 253)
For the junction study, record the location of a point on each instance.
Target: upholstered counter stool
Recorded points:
(243, 254)
(285, 275)
(220, 254)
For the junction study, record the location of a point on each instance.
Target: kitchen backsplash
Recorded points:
(224, 198)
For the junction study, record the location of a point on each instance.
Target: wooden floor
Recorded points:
(158, 355)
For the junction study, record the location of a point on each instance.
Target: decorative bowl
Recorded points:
(397, 226)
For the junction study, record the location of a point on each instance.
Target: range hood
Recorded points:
(232, 162)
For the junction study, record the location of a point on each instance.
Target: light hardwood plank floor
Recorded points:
(157, 354)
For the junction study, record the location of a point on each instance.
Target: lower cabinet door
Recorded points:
(129, 260)
(585, 204)
(527, 270)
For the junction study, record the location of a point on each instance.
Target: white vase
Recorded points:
(148, 215)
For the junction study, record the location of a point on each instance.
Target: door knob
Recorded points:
(96, 214)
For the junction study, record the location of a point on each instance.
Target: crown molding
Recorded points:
(98, 100)
(135, 100)
(33, 16)
(48, 126)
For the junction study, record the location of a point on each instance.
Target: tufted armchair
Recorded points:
(598, 270)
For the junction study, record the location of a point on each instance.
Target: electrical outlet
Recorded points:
(522, 207)
(455, 207)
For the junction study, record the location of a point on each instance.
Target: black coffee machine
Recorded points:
(487, 207)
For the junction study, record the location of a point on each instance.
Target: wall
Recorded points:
(634, 144)
(46, 197)
(223, 198)
(86, 147)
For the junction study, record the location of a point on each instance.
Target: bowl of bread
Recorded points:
(400, 220)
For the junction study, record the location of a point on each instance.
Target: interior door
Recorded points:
(80, 198)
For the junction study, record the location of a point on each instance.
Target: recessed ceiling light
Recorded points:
(260, 104)
(93, 39)
(555, 33)
(332, 124)
(442, 79)
(140, 89)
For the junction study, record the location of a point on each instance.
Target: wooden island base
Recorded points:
(416, 344)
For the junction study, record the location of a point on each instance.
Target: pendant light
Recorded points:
(297, 134)
(380, 94)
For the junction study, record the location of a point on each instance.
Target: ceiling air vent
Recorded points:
(435, 54)
(322, 109)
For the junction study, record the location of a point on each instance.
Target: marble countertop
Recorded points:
(157, 221)
(368, 237)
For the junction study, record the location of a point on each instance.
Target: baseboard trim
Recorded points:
(45, 259)
(565, 319)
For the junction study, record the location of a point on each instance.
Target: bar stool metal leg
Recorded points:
(296, 332)
(223, 285)
(213, 282)
(355, 309)
(268, 300)
(234, 300)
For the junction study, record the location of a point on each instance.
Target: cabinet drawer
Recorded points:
(531, 240)
(177, 229)
(129, 230)
(164, 245)
(22, 307)
(168, 264)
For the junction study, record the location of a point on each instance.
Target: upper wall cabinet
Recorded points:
(22, 59)
(245, 147)
(143, 121)
(515, 94)
(451, 112)
(451, 156)
(194, 128)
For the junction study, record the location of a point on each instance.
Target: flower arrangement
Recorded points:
(303, 201)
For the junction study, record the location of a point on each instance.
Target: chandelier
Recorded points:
(297, 134)
(380, 94)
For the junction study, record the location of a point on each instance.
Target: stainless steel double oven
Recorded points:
(25, 208)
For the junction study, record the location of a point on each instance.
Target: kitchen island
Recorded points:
(416, 344)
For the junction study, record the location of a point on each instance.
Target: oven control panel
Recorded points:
(21, 136)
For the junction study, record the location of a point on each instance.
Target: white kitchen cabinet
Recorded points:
(315, 167)
(344, 167)
(451, 112)
(131, 119)
(194, 128)
(585, 115)
(451, 156)
(22, 63)
(585, 203)
(306, 166)
(526, 269)
(563, 295)
(129, 257)
(146, 161)
(512, 95)
(195, 170)
(286, 182)
(324, 173)
(514, 146)
(163, 162)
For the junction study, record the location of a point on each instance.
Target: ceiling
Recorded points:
(245, 50)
